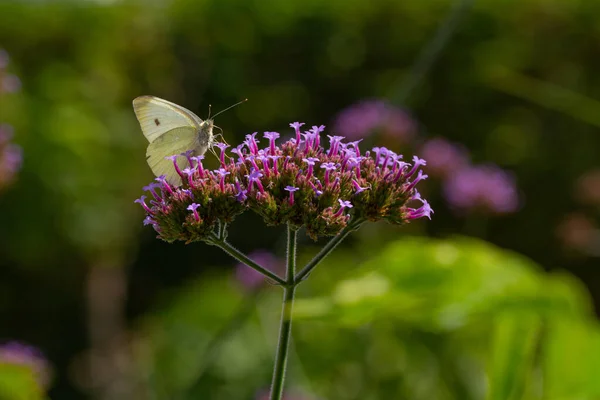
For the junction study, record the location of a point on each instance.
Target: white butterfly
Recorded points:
(171, 130)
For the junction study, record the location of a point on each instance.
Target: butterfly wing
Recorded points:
(158, 116)
(176, 141)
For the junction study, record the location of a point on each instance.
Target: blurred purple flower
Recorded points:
(578, 232)
(21, 354)
(10, 156)
(364, 118)
(249, 277)
(587, 189)
(443, 157)
(4, 59)
(485, 188)
(8, 83)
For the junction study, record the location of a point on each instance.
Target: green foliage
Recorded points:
(17, 382)
(422, 319)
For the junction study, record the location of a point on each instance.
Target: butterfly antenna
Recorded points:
(209, 108)
(230, 107)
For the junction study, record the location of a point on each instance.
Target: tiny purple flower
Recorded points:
(420, 177)
(222, 147)
(343, 204)
(328, 166)
(272, 136)
(274, 160)
(417, 163)
(291, 189)
(241, 193)
(193, 207)
(173, 158)
(252, 143)
(222, 173)
(254, 177)
(296, 126)
(424, 211)
(311, 162)
(357, 187)
(163, 181)
(334, 145)
(142, 201)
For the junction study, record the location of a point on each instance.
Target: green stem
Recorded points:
(332, 244)
(222, 233)
(241, 257)
(285, 327)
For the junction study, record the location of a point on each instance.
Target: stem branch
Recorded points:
(241, 257)
(332, 244)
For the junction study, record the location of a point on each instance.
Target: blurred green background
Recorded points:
(472, 305)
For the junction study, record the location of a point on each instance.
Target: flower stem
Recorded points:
(241, 257)
(285, 326)
(332, 244)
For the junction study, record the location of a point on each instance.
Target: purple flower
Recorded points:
(142, 201)
(252, 143)
(424, 211)
(366, 117)
(249, 277)
(11, 156)
(445, 158)
(254, 177)
(241, 194)
(587, 189)
(311, 162)
(272, 136)
(291, 189)
(4, 59)
(10, 84)
(193, 207)
(222, 147)
(17, 353)
(296, 126)
(420, 177)
(343, 204)
(357, 187)
(274, 160)
(173, 158)
(484, 188)
(222, 173)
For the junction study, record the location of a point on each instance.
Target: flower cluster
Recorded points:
(20, 354)
(297, 182)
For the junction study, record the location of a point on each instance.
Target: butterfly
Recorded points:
(172, 130)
